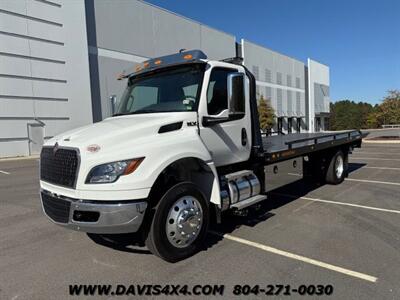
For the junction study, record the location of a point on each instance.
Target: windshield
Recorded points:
(170, 90)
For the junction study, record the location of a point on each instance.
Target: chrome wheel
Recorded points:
(184, 221)
(339, 166)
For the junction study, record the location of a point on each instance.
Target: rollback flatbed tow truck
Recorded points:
(183, 146)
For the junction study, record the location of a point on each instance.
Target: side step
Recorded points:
(245, 203)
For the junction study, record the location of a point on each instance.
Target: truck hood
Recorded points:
(117, 130)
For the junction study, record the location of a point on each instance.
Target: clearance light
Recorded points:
(146, 64)
(138, 68)
(188, 56)
(157, 62)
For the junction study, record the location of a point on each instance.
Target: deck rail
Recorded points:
(334, 136)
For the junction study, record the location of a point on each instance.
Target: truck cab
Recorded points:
(184, 144)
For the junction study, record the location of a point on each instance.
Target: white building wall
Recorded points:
(318, 88)
(280, 79)
(44, 72)
(124, 33)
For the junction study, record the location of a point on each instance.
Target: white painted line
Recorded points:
(373, 181)
(380, 168)
(4, 172)
(359, 180)
(375, 158)
(339, 203)
(298, 257)
(386, 153)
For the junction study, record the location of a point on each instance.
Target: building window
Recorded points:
(268, 93)
(298, 82)
(298, 103)
(279, 101)
(289, 80)
(289, 103)
(268, 76)
(256, 72)
(279, 78)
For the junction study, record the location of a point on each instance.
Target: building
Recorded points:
(59, 61)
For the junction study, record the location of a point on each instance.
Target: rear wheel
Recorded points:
(337, 169)
(179, 224)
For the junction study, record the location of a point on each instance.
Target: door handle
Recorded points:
(244, 137)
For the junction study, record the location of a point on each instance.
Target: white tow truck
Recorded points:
(184, 145)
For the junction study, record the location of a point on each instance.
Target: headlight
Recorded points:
(110, 172)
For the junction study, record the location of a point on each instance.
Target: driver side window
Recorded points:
(217, 92)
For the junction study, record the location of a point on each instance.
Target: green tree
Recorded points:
(266, 114)
(348, 114)
(388, 112)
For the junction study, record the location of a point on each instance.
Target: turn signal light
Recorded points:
(133, 165)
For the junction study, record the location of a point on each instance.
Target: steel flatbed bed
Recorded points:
(282, 147)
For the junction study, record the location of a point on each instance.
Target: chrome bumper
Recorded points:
(114, 216)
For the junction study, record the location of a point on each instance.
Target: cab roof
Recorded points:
(192, 56)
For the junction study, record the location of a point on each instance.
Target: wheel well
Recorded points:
(186, 169)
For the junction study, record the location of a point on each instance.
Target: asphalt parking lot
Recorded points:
(346, 236)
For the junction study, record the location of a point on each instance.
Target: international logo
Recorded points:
(55, 149)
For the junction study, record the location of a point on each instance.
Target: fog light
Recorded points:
(85, 216)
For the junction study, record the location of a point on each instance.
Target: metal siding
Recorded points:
(282, 77)
(44, 70)
(148, 31)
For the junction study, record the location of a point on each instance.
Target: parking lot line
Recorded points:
(380, 168)
(373, 181)
(339, 203)
(385, 153)
(374, 158)
(298, 257)
(359, 180)
(4, 172)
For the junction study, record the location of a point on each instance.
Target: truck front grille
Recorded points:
(55, 208)
(59, 166)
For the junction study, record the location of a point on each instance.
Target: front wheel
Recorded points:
(180, 223)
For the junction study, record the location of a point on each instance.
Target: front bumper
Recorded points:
(112, 216)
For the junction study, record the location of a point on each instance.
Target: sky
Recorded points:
(358, 39)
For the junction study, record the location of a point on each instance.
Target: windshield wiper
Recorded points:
(140, 111)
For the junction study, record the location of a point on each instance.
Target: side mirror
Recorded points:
(236, 96)
(113, 100)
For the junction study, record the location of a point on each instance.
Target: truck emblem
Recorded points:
(93, 148)
(55, 149)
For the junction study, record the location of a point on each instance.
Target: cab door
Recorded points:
(228, 141)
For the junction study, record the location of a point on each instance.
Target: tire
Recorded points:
(337, 169)
(163, 238)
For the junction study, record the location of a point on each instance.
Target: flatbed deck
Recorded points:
(282, 147)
